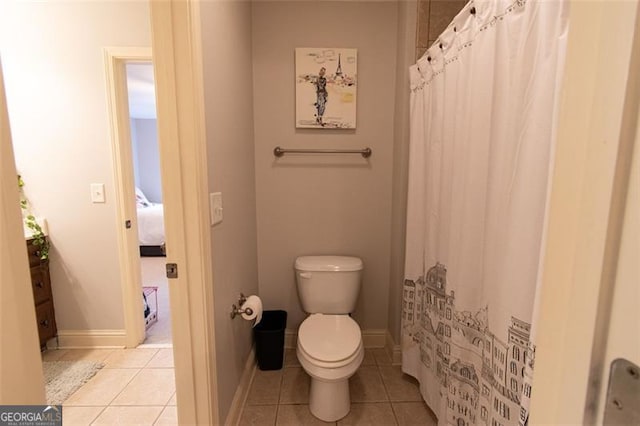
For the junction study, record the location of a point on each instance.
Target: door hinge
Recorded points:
(172, 270)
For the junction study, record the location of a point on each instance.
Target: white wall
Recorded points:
(146, 158)
(226, 28)
(324, 204)
(56, 94)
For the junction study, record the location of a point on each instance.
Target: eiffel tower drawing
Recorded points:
(339, 69)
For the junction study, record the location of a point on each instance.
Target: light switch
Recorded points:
(97, 192)
(215, 201)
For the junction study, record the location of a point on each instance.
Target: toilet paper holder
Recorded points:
(238, 310)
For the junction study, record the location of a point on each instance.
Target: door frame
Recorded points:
(128, 251)
(596, 129)
(20, 360)
(178, 70)
(177, 62)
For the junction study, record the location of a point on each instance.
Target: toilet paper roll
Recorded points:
(254, 303)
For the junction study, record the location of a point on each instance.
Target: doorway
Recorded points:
(148, 198)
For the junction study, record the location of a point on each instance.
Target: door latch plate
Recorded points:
(623, 394)
(172, 270)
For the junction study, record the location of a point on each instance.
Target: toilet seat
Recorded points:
(330, 340)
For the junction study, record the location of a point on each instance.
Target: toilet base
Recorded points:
(329, 401)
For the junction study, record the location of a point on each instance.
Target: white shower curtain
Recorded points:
(482, 120)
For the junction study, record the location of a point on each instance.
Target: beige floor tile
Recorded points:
(128, 416)
(295, 386)
(169, 416)
(298, 415)
(162, 359)
(152, 386)
(400, 386)
(80, 416)
(369, 359)
(258, 415)
(172, 401)
(381, 356)
(53, 354)
(366, 385)
(414, 413)
(98, 355)
(129, 358)
(290, 358)
(102, 388)
(378, 414)
(265, 388)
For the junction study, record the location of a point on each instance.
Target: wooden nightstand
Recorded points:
(42, 295)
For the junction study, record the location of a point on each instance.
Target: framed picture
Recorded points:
(326, 83)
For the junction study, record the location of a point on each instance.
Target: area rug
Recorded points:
(62, 378)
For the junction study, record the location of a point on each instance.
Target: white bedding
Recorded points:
(151, 225)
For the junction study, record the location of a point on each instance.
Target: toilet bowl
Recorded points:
(329, 341)
(330, 350)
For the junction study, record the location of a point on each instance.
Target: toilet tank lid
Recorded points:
(328, 263)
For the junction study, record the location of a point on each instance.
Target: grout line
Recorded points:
(152, 357)
(275, 420)
(96, 417)
(124, 387)
(160, 413)
(384, 385)
(395, 416)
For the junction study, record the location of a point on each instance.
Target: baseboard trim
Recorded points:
(394, 351)
(242, 391)
(371, 338)
(95, 339)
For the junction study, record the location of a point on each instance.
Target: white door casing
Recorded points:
(21, 380)
(177, 60)
(130, 276)
(584, 210)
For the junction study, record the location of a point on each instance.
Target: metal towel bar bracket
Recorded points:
(279, 152)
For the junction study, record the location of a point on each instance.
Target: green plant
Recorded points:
(39, 239)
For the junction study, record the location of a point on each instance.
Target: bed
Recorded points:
(150, 226)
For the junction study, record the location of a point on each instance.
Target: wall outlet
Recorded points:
(97, 193)
(215, 205)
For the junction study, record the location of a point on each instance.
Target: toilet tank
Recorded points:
(328, 284)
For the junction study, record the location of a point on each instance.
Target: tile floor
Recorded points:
(135, 387)
(380, 395)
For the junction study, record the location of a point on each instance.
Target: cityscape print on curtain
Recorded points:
(492, 378)
(483, 102)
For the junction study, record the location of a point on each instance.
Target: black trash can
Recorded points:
(269, 336)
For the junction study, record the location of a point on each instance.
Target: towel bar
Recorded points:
(279, 152)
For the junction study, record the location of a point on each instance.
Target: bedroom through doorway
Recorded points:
(149, 207)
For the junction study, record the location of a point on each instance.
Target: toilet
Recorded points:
(330, 345)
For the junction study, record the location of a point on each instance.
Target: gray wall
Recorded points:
(226, 28)
(146, 158)
(405, 49)
(324, 204)
(433, 17)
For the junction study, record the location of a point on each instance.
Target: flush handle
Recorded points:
(305, 274)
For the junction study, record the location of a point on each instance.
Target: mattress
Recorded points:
(151, 225)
